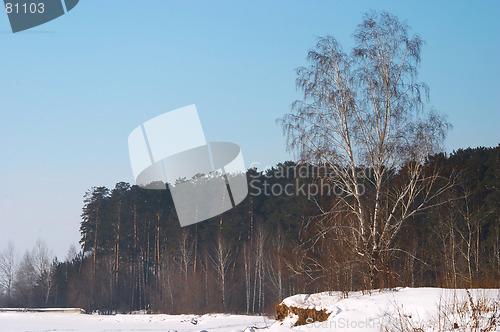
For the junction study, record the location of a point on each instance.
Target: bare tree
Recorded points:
(222, 260)
(259, 242)
(247, 265)
(362, 116)
(275, 265)
(7, 269)
(41, 260)
(25, 281)
(186, 248)
(34, 277)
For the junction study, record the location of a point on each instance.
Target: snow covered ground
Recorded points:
(29, 321)
(402, 309)
(429, 309)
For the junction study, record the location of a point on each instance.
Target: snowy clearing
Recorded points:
(37, 322)
(402, 309)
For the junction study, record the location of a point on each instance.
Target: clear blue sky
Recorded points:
(73, 89)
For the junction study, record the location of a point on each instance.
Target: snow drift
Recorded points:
(400, 309)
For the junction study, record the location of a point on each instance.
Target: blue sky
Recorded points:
(73, 89)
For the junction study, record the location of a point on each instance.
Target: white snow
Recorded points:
(318, 301)
(37, 322)
(61, 310)
(413, 307)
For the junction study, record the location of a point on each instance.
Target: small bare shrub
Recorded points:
(480, 314)
(473, 313)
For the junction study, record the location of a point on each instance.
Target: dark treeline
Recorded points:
(134, 255)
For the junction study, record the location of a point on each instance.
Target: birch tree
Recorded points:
(7, 269)
(186, 252)
(41, 259)
(363, 116)
(222, 259)
(259, 242)
(275, 264)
